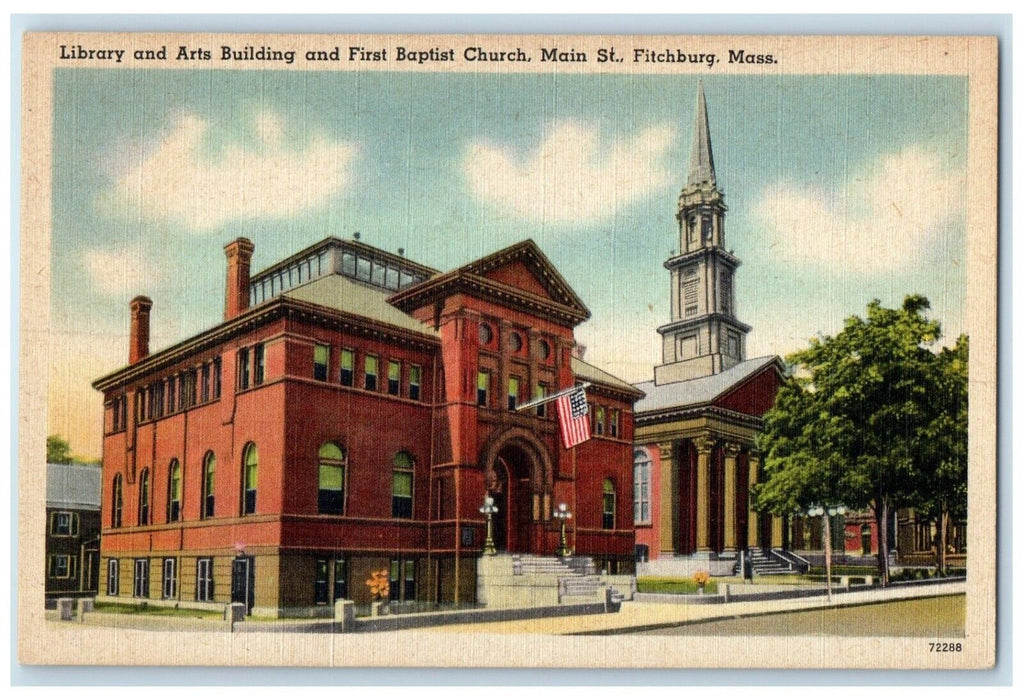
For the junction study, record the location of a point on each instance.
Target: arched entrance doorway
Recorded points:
(517, 475)
(513, 496)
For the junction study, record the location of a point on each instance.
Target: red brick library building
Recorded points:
(350, 414)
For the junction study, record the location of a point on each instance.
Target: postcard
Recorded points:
(508, 351)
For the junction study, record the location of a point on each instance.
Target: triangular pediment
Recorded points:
(754, 394)
(520, 274)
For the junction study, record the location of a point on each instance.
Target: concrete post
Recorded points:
(344, 614)
(85, 605)
(66, 606)
(234, 612)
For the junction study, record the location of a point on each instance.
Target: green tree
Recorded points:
(58, 450)
(847, 429)
(942, 496)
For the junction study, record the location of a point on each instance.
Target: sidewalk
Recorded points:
(635, 617)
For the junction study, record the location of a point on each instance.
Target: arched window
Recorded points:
(641, 486)
(401, 485)
(174, 492)
(332, 479)
(144, 498)
(116, 501)
(608, 507)
(250, 463)
(209, 473)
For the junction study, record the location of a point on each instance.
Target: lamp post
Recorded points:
(826, 513)
(562, 513)
(488, 510)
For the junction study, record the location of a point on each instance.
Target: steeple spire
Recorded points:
(701, 157)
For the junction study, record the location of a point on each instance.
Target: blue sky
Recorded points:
(840, 189)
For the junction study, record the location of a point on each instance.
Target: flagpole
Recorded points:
(552, 397)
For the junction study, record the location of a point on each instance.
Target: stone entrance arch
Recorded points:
(517, 473)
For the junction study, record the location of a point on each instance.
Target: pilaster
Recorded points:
(669, 497)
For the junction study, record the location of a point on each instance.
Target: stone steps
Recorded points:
(527, 580)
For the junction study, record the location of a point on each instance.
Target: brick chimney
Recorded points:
(138, 342)
(239, 255)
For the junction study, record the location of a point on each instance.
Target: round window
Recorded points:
(486, 334)
(515, 341)
(545, 350)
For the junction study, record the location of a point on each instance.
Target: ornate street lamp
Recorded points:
(488, 510)
(826, 513)
(562, 513)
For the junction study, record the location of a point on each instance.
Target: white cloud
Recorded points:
(881, 220)
(180, 181)
(573, 177)
(117, 272)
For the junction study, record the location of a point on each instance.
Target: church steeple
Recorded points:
(704, 337)
(701, 155)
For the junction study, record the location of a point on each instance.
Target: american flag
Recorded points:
(573, 417)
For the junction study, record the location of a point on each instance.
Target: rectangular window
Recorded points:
(172, 403)
(379, 274)
(113, 576)
(204, 580)
(482, 387)
(347, 367)
(641, 490)
(340, 578)
(243, 368)
(598, 420)
(216, 377)
(401, 494)
(513, 393)
(62, 566)
(403, 580)
(348, 265)
(170, 578)
(415, 380)
(540, 392)
(734, 344)
(140, 582)
(394, 378)
(206, 383)
(64, 524)
(259, 365)
(688, 346)
(726, 292)
(321, 360)
(321, 583)
(409, 582)
(690, 291)
(612, 422)
(372, 369)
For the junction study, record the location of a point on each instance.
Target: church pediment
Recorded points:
(754, 394)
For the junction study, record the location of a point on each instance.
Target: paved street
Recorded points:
(933, 618)
(638, 617)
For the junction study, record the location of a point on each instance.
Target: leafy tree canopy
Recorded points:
(855, 423)
(58, 450)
